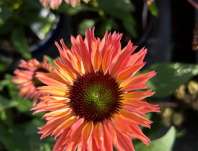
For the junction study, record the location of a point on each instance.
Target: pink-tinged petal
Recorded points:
(133, 130)
(79, 46)
(123, 142)
(137, 133)
(50, 79)
(64, 112)
(94, 145)
(123, 59)
(137, 82)
(108, 142)
(61, 142)
(96, 56)
(140, 107)
(68, 60)
(137, 95)
(110, 51)
(57, 91)
(98, 136)
(90, 39)
(74, 134)
(54, 4)
(48, 128)
(43, 107)
(64, 125)
(86, 135)
(137, 58)
(136, 118)
(129, 71)
(66, 68)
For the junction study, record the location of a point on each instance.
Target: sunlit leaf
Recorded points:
(153, 9)
(170, 76)
(87, 23)
(165, 143)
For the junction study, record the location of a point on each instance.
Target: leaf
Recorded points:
(153, 9)
(122, 10)
(20, 43)
(165, 143)
(23, 137)
(115, 7)
(170, 77)
(87, 23)
(5, 103)
(23, 105)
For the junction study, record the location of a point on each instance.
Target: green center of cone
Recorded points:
(98, 96)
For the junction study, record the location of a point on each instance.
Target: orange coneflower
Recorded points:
(97, 98)
(54, 4)
(25, 77)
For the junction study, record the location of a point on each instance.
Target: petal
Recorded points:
(136, 118)
(122, 59)
(123, 142)
(86, 135)
(53, 90)
(136, 95)
(137, 82)
(129, 71)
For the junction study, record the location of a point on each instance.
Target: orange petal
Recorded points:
(129, 71)
(107, 138)
(64, 125)
(137, 95)
(123, 59)
(86, 134)
(123, 142)
(137, 82)
(53, 90)
(136, 118)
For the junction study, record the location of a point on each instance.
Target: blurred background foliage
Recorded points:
(26, 29)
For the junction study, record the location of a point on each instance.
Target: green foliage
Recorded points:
(23, 137)
(18, 136)
(165, 143)
(124, 15)
(170, 76)
(153, 9)
(17, 19)
(20, 43)
(87, 23)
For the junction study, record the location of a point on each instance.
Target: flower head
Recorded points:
(54, 4)
(25, 77)
(97, 98)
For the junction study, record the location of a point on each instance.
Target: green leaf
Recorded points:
(87, 23)
(122, 10)
(5, 103)
(23, 137)
(165, 143)
(153, 9)
(115, 7)
(170, 77)
(23, 105)
(20, 43)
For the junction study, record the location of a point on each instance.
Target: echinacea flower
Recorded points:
(54, 4)
(97, 97)
(25, 77)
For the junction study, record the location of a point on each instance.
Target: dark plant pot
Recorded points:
(45, 47)
(156, 35)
